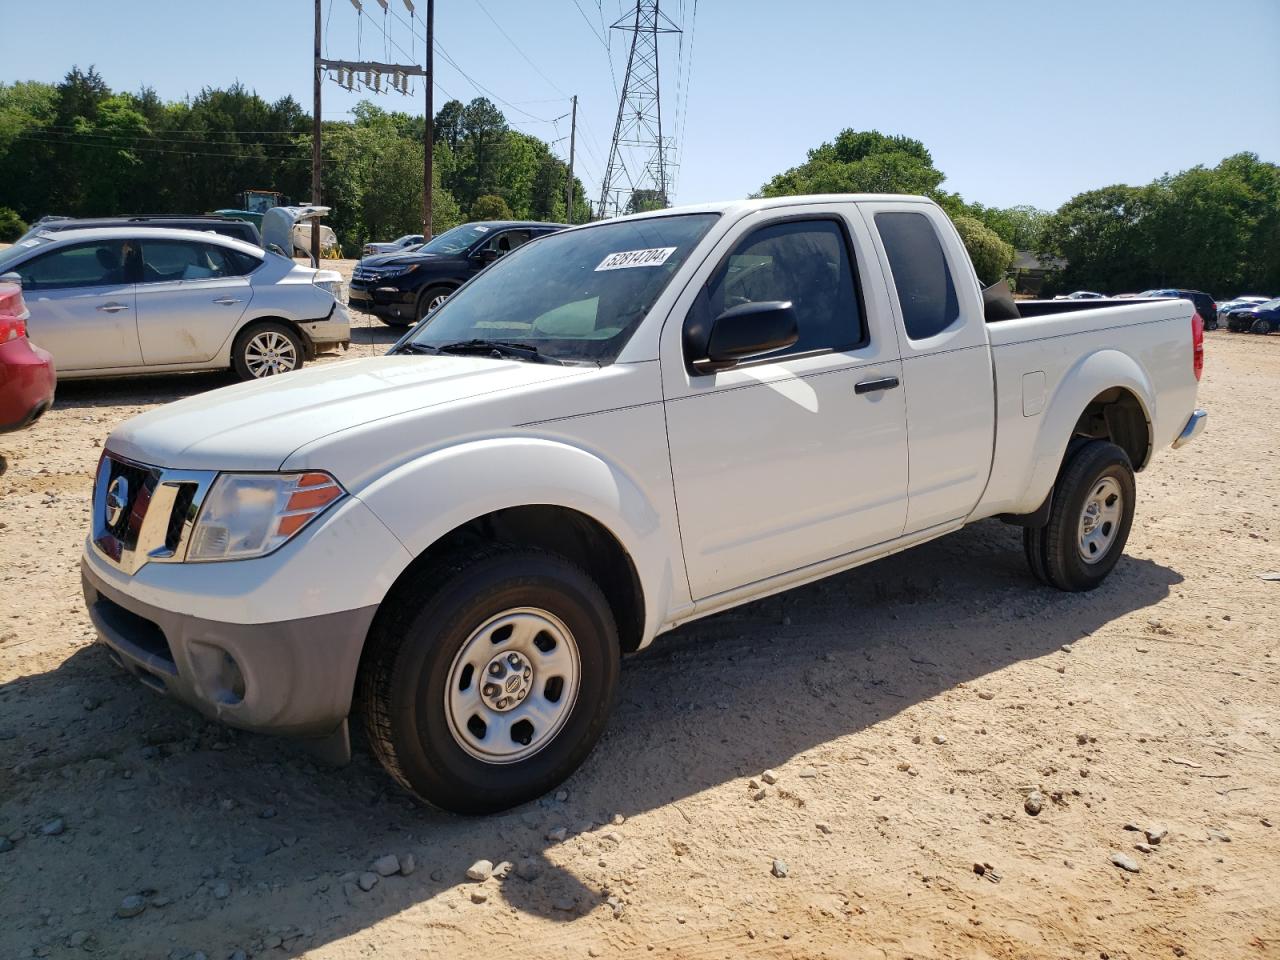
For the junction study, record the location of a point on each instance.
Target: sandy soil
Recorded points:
(907, 709)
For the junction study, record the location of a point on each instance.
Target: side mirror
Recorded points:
(11, 278)
(748, 330)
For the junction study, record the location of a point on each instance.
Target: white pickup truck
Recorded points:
(613, 430)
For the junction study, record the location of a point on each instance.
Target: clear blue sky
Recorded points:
(1020, 102)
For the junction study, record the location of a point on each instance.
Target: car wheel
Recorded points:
(400, 323)
(489, 678)
(1211, 325)
(1089, 522)
(1261, 326)
(431, 300)
(265, 350)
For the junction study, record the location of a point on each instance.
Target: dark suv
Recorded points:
(1206, 306)
(225, 226)
(402, 288)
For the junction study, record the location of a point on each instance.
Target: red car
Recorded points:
(27, 378)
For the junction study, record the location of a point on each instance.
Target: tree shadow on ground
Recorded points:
(147, 789)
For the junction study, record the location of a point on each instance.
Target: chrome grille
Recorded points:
(151, 514)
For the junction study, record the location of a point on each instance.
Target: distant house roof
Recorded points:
(1026, 260)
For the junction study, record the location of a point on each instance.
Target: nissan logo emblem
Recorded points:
(117, 500)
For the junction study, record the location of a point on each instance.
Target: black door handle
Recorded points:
(884, 383)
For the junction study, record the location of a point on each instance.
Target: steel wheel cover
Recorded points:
(512, 685)
(1100, 519)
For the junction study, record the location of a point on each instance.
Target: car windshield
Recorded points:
(457, 239)
(19, 250)
(569, 296)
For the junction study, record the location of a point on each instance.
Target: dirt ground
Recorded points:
(908, 709)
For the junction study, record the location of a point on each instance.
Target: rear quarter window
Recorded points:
(921, 276)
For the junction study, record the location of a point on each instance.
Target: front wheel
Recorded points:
(1093, 504)
(431, 300)
(489, 678)
(265, 350)
(1262, 326)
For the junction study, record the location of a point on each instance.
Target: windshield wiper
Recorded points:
(499, 348)
(412, 347)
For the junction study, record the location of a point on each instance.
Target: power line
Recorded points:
(485, 11)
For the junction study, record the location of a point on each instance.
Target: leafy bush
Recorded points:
(991, 256)
(11, 225)
(490, 207)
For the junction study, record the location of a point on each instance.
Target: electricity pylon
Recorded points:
(637, 134)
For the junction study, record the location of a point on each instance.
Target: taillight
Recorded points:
(12, 328)
(1197, 344)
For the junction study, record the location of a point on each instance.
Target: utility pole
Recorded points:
(638, 129)
(429, 133)
(315, 143)
(568, 189)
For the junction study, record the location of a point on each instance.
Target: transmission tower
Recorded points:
(637, 134)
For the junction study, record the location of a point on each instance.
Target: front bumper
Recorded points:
(333, 329)
(381, 296)
(1195, 426)
(289, 677)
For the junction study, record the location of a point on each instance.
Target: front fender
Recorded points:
(1091, 375)
(425, 499)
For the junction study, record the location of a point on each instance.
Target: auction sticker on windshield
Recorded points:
(653, 257)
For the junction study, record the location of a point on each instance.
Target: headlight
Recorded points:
(400, 271)
(329, 281)
(251, 514)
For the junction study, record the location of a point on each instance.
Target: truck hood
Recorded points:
(257, 425)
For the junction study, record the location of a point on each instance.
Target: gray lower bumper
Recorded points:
(292, 677)
(1195, 426)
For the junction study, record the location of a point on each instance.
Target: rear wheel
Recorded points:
(489, 678)
(1261, 326)
(1093, 504)
(265, 350)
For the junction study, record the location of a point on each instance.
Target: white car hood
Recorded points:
(257, 425)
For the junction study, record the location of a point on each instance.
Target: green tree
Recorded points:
(864, 161)
(991, 255)
(11, 225)
(490, 207)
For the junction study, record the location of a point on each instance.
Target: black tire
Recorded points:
(391, 320)
(428, 295)
(1261, 326)
(1054, 552)
(404, 675)
(1211, 325)
(243, 360)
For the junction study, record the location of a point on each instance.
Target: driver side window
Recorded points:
(806, 262)
(85, 265)
(507, 241)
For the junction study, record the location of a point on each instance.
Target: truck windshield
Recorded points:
(577, 295)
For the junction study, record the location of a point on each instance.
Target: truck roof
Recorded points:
(765, 203)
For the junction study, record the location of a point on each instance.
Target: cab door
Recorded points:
(190, 297)
(81, 298)
(946, 359)
(798, 457)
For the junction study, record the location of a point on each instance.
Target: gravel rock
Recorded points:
(779, 869)
(1034, 803)
(808, 773)
(5, 844)
(823, 827)
(267, 813)
(221, 890)
(558, 834)
(503, 870)
(617, 820)
(78, 939)
(1219, 836)
(408, 864)
(1155, 834)
(760, 794)
(480, 871)
(237, 955)
(368, 881)
(562, 796)
(479, 896)
(939, 739)
(1125, 862)
(131, 906)
(564, 904)
(54, 827)
(769, 777)
(1144, 848)
(528, 869)
(386, 866)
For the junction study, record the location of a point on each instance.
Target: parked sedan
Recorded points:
(1262, 318)
(403, 288)
(27, 379)
(403, 243)
(115, 301)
